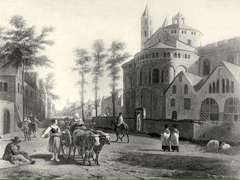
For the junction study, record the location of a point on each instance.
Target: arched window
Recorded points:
(232, 87)
(185, 89)
(174, 89)
(153, 55)
(175, 55)
(188, 56)
(179, 55)
(162, 76)
(231, 109)
(206, 67)
(5, 87)
(214, 87)
(217, 88)
(168, 54)
(220, 72)
(185, 56)
(156, 54)
(174, 115)
(223, 85)
(155, 76)
(227, 86)
(209, 110)
(164, 54)
(146, 56)
(210, 88)
(172, 102)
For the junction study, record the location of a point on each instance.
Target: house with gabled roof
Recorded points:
(215, 98)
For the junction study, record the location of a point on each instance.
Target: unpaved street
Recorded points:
(141, 158)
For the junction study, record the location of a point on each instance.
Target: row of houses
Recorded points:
(104, 104)
(16, 104)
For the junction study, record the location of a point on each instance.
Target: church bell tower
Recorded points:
(146, 27)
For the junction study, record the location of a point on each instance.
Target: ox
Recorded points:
(85, 141)
(103, 139)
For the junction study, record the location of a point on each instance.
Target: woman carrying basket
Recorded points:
(54, 140)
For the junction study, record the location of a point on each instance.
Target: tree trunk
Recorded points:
(113, 100)
(23, 90)
(82, 98)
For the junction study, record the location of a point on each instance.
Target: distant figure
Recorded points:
(34, 127)
(120, 120)
(54, 140)
(77, 123)
(175, 139)
(165, 138)
(25, 129)
(14, 153)
(139, 122)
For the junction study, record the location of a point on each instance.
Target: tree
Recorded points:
(115, 59)
(49, 85)
(98, 68)
(21, 47)
(82, 67)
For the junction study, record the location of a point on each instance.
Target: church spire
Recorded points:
(146, 13)
(165, 23)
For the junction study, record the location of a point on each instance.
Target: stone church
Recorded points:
(175, 77)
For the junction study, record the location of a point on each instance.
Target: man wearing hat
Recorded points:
(13, 153)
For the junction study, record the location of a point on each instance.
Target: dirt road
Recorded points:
(141, 158)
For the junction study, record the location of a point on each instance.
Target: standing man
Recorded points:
(34, 128)
(14, 153)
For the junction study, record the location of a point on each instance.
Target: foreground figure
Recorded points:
(14, 153)
(54, 140)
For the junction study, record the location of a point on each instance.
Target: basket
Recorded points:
(45, 136)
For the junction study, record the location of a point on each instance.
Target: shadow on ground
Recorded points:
(180, 166)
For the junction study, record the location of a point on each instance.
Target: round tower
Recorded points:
(146, 27)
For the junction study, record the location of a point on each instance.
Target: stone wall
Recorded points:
(189, 129)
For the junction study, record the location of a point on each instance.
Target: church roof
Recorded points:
(179, 26)
(194, 80)
(234, 70)
(161, 45)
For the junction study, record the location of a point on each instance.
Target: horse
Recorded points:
(122, 129)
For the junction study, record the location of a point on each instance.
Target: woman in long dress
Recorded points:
(54, 140)
(165, 138)
(175, 139)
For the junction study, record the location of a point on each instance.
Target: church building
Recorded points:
(175, 77)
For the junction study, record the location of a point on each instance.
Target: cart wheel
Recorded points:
(66, 143)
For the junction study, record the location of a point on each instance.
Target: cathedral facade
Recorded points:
(174, 77)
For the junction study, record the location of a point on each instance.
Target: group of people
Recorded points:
(29, 127)
(170, 140)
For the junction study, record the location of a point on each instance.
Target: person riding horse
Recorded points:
(119, 121)
(121, 128)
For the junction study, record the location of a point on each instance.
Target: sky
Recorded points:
(78, 23)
